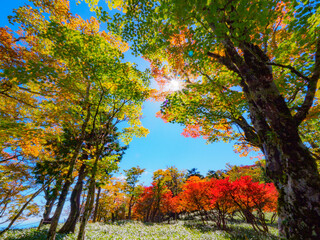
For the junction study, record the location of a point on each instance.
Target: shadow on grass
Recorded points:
(201, 227)
(235, 231)
(148, 223)
(31, 235)
(245, 232)
(240, 221)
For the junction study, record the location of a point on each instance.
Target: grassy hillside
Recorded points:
(137, 230)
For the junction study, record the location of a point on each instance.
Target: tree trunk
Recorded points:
(68, 181)
(96, 208)
(298, 184)
(47, 211)
(70, 225)
(87, 210)
(291, 167)
(90, 199)
(130, 207)
(51, 198)
(56, 216)
(63, 195)
(289, 163)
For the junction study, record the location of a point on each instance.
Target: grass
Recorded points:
(137, 230)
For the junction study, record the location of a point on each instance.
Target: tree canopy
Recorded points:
(244, 71)
(65, 89)
(250, 72)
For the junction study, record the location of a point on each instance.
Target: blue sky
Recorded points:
(164, 146)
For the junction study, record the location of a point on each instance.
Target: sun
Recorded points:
(174, 85)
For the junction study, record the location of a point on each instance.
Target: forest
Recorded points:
(245, 72)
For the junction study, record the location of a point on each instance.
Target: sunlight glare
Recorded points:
(174, 85)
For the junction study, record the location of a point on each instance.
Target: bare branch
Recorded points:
(292, 69)
(10, 158)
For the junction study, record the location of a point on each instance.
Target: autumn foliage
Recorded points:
(212, 199)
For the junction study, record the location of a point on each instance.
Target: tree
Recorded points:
(93, 90)
(255, 171)
(112, 201)
(196, 196)
(221, 201)
(45, 173)
(18, 214)
(175, 179)
(112, 150)
(251, 65)
(249, 196)
(144, 208)
(132, 176)
(193, 172)
(219, 174)
(15, 183)
(160, 177)
(160, 200)
(169, 206)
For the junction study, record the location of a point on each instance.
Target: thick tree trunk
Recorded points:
(291, 167)
(70, 224)
(298, 184)
(289, 163)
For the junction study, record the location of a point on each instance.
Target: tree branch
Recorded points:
(22, 209)
(292, 69)
(224, 61)
(249, 132)
(18, 100)
(10, 158)
(311, 89)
